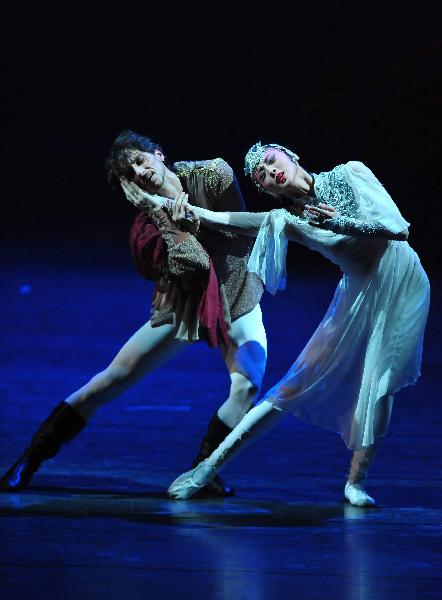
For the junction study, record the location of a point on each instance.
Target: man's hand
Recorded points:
(317, 215)
(140, 198)
(182, 213)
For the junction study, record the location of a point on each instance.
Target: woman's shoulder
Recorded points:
(357, 166)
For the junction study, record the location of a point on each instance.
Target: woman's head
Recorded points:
(275, 170)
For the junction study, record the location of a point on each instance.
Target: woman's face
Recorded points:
(276, 173)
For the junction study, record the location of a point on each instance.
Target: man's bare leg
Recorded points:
(147, 349)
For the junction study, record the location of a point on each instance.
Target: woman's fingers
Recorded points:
(314, 209)
(182, 212)
(183, 201)
(185, 207)
(180, 206)
(191, 214)
(313, 219)
(179, 197)
(327, 212)
(176, 213)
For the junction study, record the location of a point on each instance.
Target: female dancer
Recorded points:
(369, 343)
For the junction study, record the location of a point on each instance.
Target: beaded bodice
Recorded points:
(332, 188)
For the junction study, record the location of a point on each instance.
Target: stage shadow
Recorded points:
(155, 508)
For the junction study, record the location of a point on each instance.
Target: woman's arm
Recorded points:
(363, 228)
(380, 215)
(326, 217)
(245, 223)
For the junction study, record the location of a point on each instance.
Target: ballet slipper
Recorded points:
(189, 483)
(357, 496)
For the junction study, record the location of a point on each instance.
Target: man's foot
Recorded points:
(61, 426)
(217, 431)
(356, 495)
(189, 483)
(217, 488)
(18, 476)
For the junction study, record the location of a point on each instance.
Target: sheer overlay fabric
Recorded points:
(369, 343)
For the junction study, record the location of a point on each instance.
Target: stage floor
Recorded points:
(96, 522)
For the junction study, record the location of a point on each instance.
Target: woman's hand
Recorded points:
(317, 215)
(140, 198)
(182, 213)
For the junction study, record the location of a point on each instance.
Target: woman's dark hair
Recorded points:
(118, 162)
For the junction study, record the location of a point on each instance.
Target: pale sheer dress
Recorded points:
(369, 343)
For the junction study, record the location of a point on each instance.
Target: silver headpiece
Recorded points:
(256, 155)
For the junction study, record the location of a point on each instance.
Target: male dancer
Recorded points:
(203, 292)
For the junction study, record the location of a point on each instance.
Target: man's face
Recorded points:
(148, 170)
(276, 173)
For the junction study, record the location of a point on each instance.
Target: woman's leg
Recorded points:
(257, 421)
(362, 459)
(354, 491)
(245, 357)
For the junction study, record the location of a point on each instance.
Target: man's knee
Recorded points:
(243, 388)
(250, 359)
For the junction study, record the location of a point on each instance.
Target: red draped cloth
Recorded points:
(149, 252)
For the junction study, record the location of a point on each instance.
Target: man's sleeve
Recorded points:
(185, 255)
(148, 248)
(160, 247)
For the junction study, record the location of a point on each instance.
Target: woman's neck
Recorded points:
(304, 182)
(303, 192)
(302, 185)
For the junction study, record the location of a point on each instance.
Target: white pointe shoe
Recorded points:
(356, 495)
(189, 483)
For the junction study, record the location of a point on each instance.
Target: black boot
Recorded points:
(217, 431)
(62, 425)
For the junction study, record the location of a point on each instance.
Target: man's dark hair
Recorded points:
(118, 162)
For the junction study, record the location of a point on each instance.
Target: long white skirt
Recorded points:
(367, 347)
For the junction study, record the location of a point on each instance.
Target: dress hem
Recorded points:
(322, 425)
